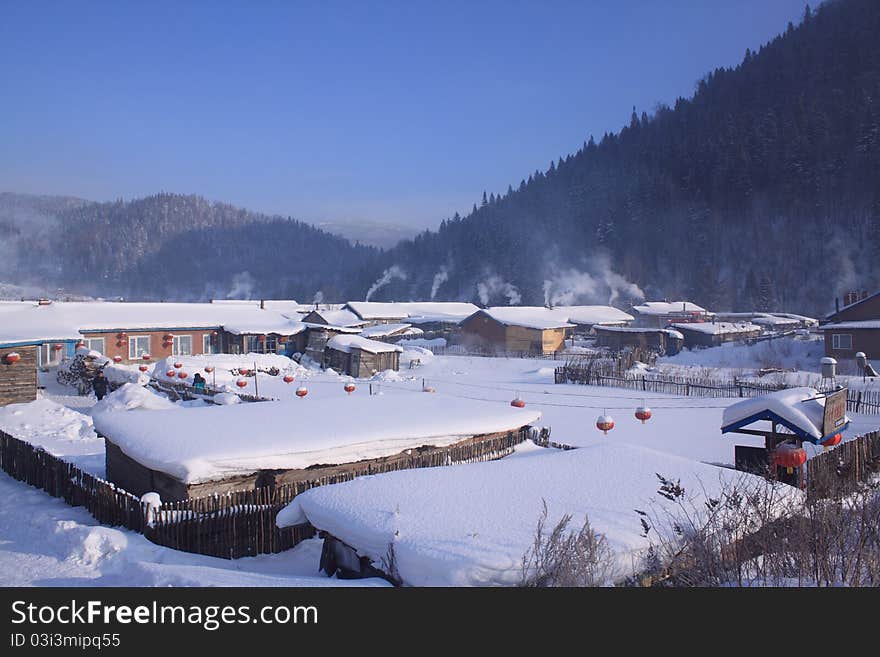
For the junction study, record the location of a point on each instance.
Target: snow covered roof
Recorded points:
(340, 317)
(333, 327)
(417, 311)
(763, 319)
(66, 320)
(667, 307)
(717, 328)
(594, 314)
(859, 324)
(800, 409)
(630, 329)
(201, 444)
(534, 317)
(801, 318)
(346, 343)
(471, 524)
(279, 305)
(384, 330)
(274, 323)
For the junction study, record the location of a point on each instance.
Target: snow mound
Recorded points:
(470, 525)
(132, 397)
(43, 419)
(226, 399)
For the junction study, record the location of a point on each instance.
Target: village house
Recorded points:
(661, 341)
(660, 314)
(853, 328)
(392, 332)
(299, 440)
(712, 334)
(360, 357)
(515, 329)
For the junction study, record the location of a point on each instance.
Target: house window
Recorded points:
(841, 341)
(95, 344)
(138, 346)
(207, 346)
(182, 345)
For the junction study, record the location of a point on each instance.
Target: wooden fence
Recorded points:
(232, 525)
(840, 470)
(601, 372)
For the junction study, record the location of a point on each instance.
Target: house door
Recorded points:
(355, 363)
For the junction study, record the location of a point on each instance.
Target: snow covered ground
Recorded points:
(43, 541)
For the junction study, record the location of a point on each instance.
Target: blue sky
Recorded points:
(384, 111)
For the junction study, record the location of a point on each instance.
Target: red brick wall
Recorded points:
(158, 350)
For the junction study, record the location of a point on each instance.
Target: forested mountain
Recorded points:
(171, 246)
(760, 191)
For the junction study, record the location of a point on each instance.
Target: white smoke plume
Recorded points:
(242, 286)
(387, 276)
(319, 298)
(600, 286)
(494, 286)
(439, 278)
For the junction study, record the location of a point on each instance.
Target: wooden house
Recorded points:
(520, 329)
(661, 341)
(854, 327)
(712, 334)
(360, 357)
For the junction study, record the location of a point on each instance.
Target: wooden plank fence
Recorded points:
(602, 372)
(840, 470)
(230, 526)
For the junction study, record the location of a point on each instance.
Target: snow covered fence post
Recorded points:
(153, 507)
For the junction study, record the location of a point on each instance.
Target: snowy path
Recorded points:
(45, 542)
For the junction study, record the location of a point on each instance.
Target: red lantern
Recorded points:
(302, 392)
(143, 368)
(349, 388)
(182, 375)
(605, 423)
(209, 368)
(119, 343)
(117, 359)
(79, 345)
(789, 456)
(241, 383)
(13, 357)
(833, 441)
(643, 413)
(518, 403)
(170, 374)
(214, 334)
(57, 347)
(262, 338)
(243, 371)
(168, 337)
(146, 356)
(288, 378)
(178, 365)
(121, 336)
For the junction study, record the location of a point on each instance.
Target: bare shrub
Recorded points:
(762, 535)
(567, 558)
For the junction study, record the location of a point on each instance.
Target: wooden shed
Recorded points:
(253, 445)
(361, 357)
(521, 329)
(712, 334)
(18, 373)
(661, 341)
